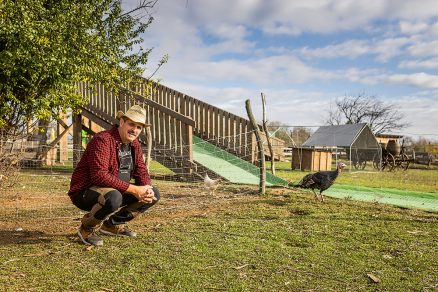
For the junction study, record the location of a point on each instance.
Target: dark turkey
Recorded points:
(320, 180)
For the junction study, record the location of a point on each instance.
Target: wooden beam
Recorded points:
(99, 117)
(53, 143)
(62, 123)
(170, 112)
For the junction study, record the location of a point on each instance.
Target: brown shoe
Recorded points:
(88, 236)
(120, 230)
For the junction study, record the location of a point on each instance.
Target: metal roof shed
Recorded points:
(359, 142)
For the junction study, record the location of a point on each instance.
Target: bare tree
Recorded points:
(300, 134)
(292, 136)
(268, 137)
(381, 117)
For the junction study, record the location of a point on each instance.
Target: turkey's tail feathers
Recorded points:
(300, 184)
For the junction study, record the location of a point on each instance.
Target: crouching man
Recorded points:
(101, 182)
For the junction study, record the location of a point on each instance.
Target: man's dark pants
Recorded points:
(103, 202)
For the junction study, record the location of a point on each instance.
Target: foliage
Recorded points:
(424, 144)
(381, 117)
(46, 46)
(300, 134)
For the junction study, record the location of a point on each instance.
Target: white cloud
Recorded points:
(422, 80)
(421, 111)
(426, 48)
(228, 31)
(294, 107)
(433, 30)
(407, 27)
(384, 49)
(291, 107)
(318, 16)
(219, 54)
(379, 77)
(349, 49)
(267, 71)
(272, 28)
(428, 64)
(388, 48)
(413, 10)
(293, 17)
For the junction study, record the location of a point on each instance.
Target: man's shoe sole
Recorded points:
(86, 242)
(116, 234)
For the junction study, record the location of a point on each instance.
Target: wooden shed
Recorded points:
(312, 159)
(357, 141)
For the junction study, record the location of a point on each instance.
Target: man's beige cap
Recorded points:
(136, 114)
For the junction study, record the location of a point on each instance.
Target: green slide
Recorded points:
(402, 198)
(229, 166)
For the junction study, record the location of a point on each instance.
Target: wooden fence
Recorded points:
(171, 131)
(175, 116)
(224, 129)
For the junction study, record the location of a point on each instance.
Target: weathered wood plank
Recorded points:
(169, 111)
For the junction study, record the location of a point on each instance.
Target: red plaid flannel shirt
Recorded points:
(99, 164)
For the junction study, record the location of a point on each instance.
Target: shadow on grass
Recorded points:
(23, 237)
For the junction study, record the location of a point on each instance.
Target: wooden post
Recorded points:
(187, 143)
(63, 143)
(262, 188)
(77, 139)
(268, 139)
(149, 146)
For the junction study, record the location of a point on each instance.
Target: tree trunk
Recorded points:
(262, 185)
(268, 138)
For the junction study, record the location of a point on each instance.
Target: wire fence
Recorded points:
(35, 186)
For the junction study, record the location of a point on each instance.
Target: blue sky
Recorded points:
(302, 54)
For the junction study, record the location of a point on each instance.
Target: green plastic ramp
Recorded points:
(229, 166)
(407, 199)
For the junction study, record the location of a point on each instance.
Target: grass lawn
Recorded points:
(236, 240)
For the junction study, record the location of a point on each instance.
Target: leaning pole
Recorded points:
(262, 184)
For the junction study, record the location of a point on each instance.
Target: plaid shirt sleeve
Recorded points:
(101, 166)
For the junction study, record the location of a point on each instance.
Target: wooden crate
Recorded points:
(312, 159)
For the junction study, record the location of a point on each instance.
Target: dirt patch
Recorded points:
(39, 216)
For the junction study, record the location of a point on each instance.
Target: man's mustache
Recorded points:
(131, 133)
